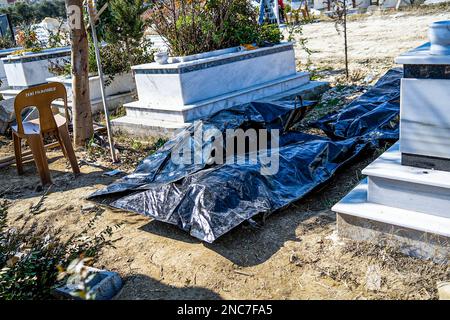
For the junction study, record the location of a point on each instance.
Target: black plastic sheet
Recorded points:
(208, 200)
(371, 115)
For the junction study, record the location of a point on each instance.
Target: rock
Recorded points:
(398, 15)
(444, 290)
(104, 286)
(373, 278)
(369, 78)
(6, 114)
(431, 2)
(88, 207)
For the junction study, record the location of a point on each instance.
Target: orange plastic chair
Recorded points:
(47, 124)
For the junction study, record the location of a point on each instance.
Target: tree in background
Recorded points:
(121, 25)
(23, 12)
(27, 13)
(191, 27)
(82, 114)
(339, 15)
(53, 9)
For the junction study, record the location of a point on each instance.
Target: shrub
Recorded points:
(58, 38)
(6, 43)
(122, 27)
(23, 12)
(30, 257)
(269, 33)
(116, 59)
(27, 37)
(191, 27)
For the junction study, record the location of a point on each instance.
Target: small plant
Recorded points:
(58, 38)
(295, 34)
(269, 33)
(339, 15)
(115, 61)
(27, 37)
(136, 145)
(32, 257)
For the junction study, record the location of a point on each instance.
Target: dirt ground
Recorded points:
(373, 43)
(295, 255)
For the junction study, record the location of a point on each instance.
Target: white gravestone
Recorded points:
(406, 196)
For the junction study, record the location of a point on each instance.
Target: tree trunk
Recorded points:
(81, 109)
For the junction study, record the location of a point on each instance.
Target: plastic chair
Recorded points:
(34, 131)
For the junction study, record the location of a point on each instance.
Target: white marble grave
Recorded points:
(4, 53)
(425, 117)
(188, 88)
(118, 91)
(31, 69)
(406, 196)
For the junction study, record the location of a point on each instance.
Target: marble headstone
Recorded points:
(425, 104)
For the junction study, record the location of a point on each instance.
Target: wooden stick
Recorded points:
(25, 159)
(7, 161)
(27, 153)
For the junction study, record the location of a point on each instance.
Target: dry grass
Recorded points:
(418, 10)
(130, 150)
(295, 255)
(395, 270)
(426, 9)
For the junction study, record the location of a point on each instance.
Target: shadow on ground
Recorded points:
(28, 185)
(248, 246)
(139, 286)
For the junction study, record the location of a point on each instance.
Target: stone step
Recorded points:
(201, 109)
(138, 109)
(113, 102)
(9, 93)
(145, 127)
(414, 233)
(356, 204)
(141, 124)
(409, 188)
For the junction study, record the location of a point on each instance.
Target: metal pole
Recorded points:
(92, 14)
(276, 11)
(262, 5)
